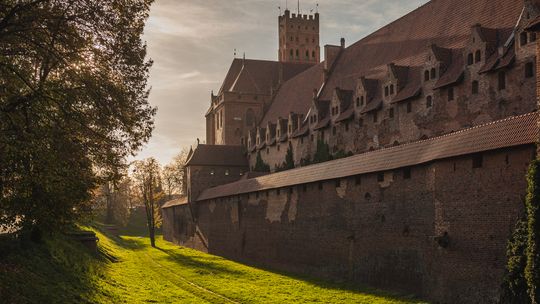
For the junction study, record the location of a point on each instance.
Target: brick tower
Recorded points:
(299, 38)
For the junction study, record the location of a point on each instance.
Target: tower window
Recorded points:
(429, 102)
(529, 70)
(433, 73)
(297, 54)
(450, 94)
(474, 87)
(478, 56)
(470, 59)
(502, 80)
(426, 75)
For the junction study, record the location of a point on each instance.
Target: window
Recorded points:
(267, 151)
(470, 59)
(278, 148)
(358, 180)
(532, 37)
(312, 137)
(391, 89)
(529, 70)
(320, 186)
(297, 54)
(407, 173)
(334, 131)
(375, 117)
(474, 87)
(477, 161)
(450, 94)
(380, 177)
(385, 91)
(313, 54)
(433, 73)
(291, 53)
(426, 75)
(391, 113)
(409, 107)
(523, 38)
(361, 100)
(478, 56)
(429, 102)
(227, 172)
(357, 101)
(307, 54)
(502, 80)
(338, 183)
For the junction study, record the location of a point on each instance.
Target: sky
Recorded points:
(192, 45)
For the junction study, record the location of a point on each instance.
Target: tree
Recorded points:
(532, 202)
(146, 174)
(260, 165)
(73, 104)
(289, 158)
(323, 152)
(173, 174)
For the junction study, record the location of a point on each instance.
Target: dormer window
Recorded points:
(532, 37)
(426, 75)
(523, 39)
(357, 102)
(386, 91)
(478, 56)
(433, 73)
(361, 100)
(470, 59)
(391, 89)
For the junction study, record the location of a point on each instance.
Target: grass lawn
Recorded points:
(130, 271)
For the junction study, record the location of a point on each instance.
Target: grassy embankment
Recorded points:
(128, 270)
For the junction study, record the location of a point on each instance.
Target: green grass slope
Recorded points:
(128, 270)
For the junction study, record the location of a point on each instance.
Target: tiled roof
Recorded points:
(533, 24)
(258, 76)
(348, 114)
(514, 131)
(218, 155)
(301, 132)
(413, 87)
(454, 73)
(446, 23)
(322, 124)
(372, 106)
(175, 202)
(498, 61)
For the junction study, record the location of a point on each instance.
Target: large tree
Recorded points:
(73, 103)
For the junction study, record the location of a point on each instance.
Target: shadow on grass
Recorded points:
(57, 270)
(211, 264)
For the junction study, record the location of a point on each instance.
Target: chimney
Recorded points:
(342, 43)
(331, 53)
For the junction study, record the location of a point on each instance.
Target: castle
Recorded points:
(409, 148)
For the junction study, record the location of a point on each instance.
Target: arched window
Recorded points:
(474, 89)
(250, 118)
(478, 56)
(470, 59)
(433, 73)
(426, 75)
(429, 102)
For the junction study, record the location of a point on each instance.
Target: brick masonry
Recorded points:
(381, 233)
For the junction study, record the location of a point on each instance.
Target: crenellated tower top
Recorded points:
(299, 38)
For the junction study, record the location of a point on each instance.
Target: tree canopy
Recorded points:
(73, 103)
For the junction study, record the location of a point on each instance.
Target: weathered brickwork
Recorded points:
(383, 233)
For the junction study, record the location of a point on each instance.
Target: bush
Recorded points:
(532, 272)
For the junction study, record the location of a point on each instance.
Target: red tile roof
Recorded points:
(446, 23)
(514, 131)
(176, 202)
(218, 155)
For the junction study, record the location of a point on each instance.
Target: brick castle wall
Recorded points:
(381, 233)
